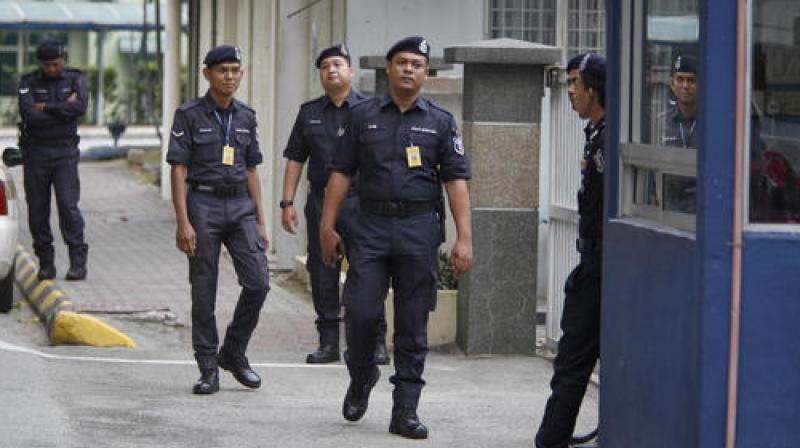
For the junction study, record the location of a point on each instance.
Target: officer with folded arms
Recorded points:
(403, 148)
(213, 150)
(52, 99)
(317, 129)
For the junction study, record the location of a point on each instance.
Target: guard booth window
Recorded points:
(659, 150)
(774, 112)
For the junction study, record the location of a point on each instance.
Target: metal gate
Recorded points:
(564, 138)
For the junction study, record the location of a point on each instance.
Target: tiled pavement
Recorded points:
(134, 265)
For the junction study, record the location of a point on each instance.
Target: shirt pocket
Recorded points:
(41, 95)
(206, 147)
(241, 145)
(375, 143)
(63, 92)
(428, 145)
(315, 136)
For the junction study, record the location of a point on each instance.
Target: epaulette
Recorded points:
(311, 102)
(245, 106)
(190, 104)
(73, 70)
(439, 108)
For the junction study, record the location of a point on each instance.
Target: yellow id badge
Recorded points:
(414, 159)
(227, 155)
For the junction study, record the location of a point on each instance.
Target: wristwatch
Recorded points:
(284, 203)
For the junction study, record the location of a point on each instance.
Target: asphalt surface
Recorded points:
(77, 396)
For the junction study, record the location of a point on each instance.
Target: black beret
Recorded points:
(335, 50)
(591, 64)
(684, 63)
(222, 53)
(49, 49)
(413, 44)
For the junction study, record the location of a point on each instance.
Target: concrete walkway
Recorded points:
(118, 397)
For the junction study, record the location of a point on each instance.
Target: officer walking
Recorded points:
(216, 192)
(52, 99)
(319, 125)
(579, 346)
(403, 148)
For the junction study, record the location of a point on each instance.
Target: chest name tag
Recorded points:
(227, 155)
(414, 159)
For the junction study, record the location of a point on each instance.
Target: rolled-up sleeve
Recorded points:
(179, 151)
(296, 149)
(454, 163)
(254, 156)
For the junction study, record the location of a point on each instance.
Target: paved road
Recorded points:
(77, 397)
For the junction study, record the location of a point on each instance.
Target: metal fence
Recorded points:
(564, 148)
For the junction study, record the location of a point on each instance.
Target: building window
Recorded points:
(531, 20)
(660, 154)
(774, 113)
(586, 27)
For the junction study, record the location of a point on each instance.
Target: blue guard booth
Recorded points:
(701, 279)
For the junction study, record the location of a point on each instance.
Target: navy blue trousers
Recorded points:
(232, 222)
(325, 279)
(578, 352)
(60, 174)
(403, 251)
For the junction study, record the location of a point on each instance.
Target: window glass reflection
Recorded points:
(669, 81)
(775, 112)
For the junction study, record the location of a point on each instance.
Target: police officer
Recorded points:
(318, 126)
(679, 120)
(216, 192)
(52, 99)
(678, 125)
(403, 148)
(579, 346)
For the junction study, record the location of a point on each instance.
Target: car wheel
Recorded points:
(7, 291)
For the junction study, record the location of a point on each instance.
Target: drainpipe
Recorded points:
(736, 256)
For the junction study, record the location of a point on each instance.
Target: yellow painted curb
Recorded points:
(82, 329)
(53, 308)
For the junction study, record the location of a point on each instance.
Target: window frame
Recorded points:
(749, 226)
(648, 156)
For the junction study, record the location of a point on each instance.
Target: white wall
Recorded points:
(373, 26)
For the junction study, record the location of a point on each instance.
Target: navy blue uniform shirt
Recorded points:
(590, 196)
(678, 130)
(316, 130)
(60, 117)
(375, 145)
(198, 137)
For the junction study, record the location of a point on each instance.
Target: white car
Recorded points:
(9, 227)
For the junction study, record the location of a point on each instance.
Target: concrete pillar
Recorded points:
(378, 63)
(503, 89)
(171, 94)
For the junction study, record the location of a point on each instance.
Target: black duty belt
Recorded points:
(221, 190)
(588, 245)
(398, 209)
(65, 141)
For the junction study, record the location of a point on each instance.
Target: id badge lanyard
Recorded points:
(227, 150)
